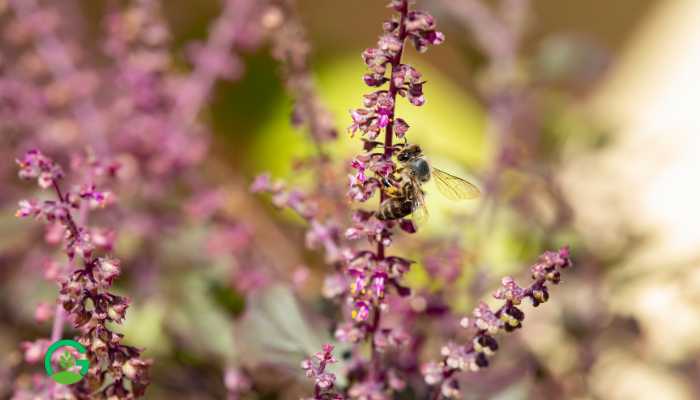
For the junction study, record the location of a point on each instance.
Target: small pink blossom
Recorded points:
(361, 311)
(28, 208)
(262, 183)
(485, 319)
(510, 291)
(44, 311)
(34, 351)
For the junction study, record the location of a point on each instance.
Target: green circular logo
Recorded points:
(66, 361)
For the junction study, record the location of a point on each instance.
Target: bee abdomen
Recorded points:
(394, 208)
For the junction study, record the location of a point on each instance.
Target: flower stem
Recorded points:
(388, 140)
(393, 90)
(376, 363)
(59, 319)
(71, 224)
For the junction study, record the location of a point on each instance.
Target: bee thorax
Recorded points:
(420, 169)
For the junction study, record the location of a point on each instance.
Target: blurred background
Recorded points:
(580, 125)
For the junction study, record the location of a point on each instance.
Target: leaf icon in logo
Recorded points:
(66, 360)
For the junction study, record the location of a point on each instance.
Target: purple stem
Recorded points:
(388, 139)
(59, 319)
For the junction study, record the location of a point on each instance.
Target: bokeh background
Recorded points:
(609, 167)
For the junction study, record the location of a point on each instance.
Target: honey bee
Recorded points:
(401, 202)
(414, 172)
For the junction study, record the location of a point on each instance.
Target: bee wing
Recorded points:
(420, 216)
(454, 188)
(420, 211)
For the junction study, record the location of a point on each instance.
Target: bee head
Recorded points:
(409, 152)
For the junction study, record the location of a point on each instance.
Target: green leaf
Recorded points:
(227, 298)
(66, 360)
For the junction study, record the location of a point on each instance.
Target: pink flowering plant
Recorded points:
(139, 213)
(117, 370)
(369, 285)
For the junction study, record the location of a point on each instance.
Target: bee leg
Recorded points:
(390, 184)
(400, 173)
(404, 144)
(394, 192)
(398, 147)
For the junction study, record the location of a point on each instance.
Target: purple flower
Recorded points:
(549, 265)
(400, 127)
(44, 311)
(361, 311)
(349, 333)
(35, 165)
(421, 30)
(28, 208)
(450, 389)
(381, 167)
(95, 197)
(415, 94)
(261, 183)
(361, 119)
(432, 373)
(360, 166)
(384, 114)
(374, 80)
(474, 355)
(395, 338)
(390, 45)
(324, 381)
(106, 270)
(379, 280)
(362, 191)
(84, 294)
(397, 266)
(485, 319)
(369, 390)
(510, 291)
(34, 351)
(357, 280)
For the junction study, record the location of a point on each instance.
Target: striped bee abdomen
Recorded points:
(394, 208)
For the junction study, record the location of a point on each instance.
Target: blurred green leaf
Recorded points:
(195, 316)
(227, 298)
(274, 330)
(144, 325)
